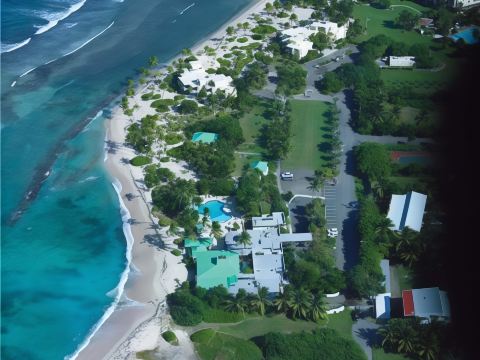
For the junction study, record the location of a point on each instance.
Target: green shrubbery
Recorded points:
(150, 96)
(188, 107)
(321, 344)
(264, 29)
(221, 316)
(176, 252)
(141, 135)
(170, 337)
(162, 105)
(173, 138)
(140, 160)
(242, 40)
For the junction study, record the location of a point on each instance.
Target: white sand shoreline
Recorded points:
(134, 328)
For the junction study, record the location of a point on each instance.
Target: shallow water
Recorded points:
(66, 251)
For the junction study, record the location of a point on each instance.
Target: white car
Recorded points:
(332, 232)
(286, 175)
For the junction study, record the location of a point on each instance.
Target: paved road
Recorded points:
(297, 214)
(365, 334)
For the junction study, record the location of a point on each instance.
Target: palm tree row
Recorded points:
(408, 336)
(298, 303)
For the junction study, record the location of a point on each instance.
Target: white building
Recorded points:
(267, 253)
(297, 41)
(299, 48)
(463, 3)
(427, 303)
(197, 77)
(407, 210)
(330, 28)
(401, 61)
(382, 306)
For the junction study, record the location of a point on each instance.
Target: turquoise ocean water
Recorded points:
(63, 249)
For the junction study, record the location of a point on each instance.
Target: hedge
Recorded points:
(165, 159)
(140, 160)
(242, 40)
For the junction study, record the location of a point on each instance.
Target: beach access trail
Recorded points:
(141, 317)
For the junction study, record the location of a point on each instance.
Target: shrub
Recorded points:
(231, 39)
(165, 159)
(257, 37)
(150, 96)
(188, 107)
(178, 97)
(242, 40)
(170, 337)
(162, 103)
(164, 220)
(264, 29)
(173, 138)
(227, 55)
(140, 160)
(221, 316)
(185, 309)
(224, 62)
(176, 252)
(203, 336)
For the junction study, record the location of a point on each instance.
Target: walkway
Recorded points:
(364, 333)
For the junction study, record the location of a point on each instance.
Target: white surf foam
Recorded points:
(13, 83)
(28, 72)
(117, 292)
(54, 18)
(89, 40)
(188, 7)
(88, 179)
(11, 47)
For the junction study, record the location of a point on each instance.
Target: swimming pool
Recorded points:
(467, 35)
(215, 207)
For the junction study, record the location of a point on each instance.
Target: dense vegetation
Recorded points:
(319, 344)
(258, 194)
(314, 269)
(291, 78)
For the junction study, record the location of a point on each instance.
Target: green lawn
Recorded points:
(405, 277)
(342, 323)
(310, 135)
(261, 325)
(252, 123)
(380, 354)
(379, 21)
(213, 345)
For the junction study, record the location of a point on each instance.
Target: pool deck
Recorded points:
(229, 203)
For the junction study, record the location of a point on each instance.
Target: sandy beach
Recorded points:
(141, 315)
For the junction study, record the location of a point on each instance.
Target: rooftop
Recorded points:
(277, 218)
(382, 306)
(217, 267)
(407, 210)
(426, 302)
(204, 137)
(262, 166)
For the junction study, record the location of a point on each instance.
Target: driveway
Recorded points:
(365, 334)
(297, 214)
(300, 182)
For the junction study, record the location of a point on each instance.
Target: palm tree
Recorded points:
(428, 348)
(408, 246)
(152, 61)
(390, 336)
(293, 18)
(318, 309)
(206, 211)
(300, 302)
(235, 304)
(216, 230)
(205, 220)
(315, 185)
(260, 302)
(173, 228)
(244, 239)
(245, 27)
(183, 194)
(281, 302)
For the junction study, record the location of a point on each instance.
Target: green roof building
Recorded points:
(204, 137)
(262, 166)
(193, 247)
(217, 267)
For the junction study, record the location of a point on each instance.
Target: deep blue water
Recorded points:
(64, 253)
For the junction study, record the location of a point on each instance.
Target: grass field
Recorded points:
(380, 21)
(262, 325)
(310, 135)
(211, 345)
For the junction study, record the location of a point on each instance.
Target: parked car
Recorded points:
(337, 58)
(332, 232)
(286, 176)
(317, 66)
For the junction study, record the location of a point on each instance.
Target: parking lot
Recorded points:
(330, 193)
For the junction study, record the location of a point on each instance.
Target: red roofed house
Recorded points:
(427, 303)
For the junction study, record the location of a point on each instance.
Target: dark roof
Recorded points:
(424, 21)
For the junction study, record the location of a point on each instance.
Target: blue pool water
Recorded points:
(466, 35)
(216, 211)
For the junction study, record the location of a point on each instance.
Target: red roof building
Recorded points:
(408, 306)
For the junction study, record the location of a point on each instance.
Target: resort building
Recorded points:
(407, 210)
(194, 246)
(204, 137)
(401, 61)
(195, 79)
(332, 29)
(266, 250)
(261, 166)
(217, 267)
(382, 301)
(427, 303)
(463, 3)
